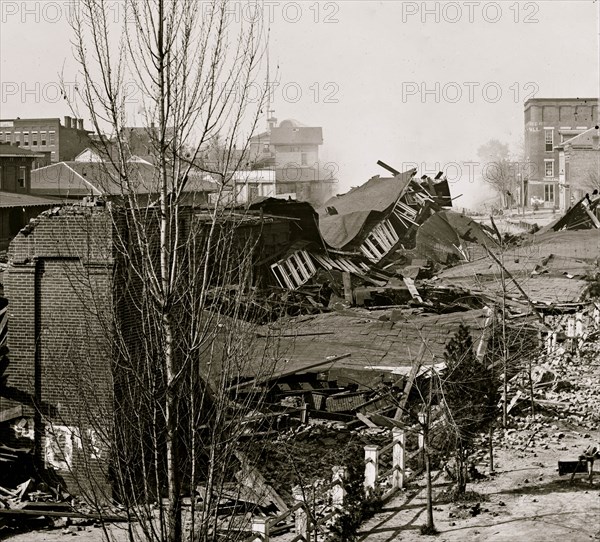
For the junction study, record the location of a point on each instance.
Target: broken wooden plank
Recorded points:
(410, 284)
(252, 479)
(366, 421)
(11, 413)
(284, 374)
(409, 383)
(60, 514)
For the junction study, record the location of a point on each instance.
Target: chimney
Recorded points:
(80, 124)
(67, 121)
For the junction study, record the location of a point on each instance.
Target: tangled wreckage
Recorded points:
(360, 297)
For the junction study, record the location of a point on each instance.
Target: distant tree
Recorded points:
(500, 169)
(593, 180)
(469, 394)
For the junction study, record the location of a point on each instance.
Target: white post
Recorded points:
(300, 517)
(570, 327)
(398, 458)
(304, 413)
(260, 528)
(579, 324)
(371, 466)
(338, 492)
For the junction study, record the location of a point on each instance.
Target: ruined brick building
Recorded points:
(74, 307)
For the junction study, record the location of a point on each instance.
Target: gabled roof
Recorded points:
(354, 208)
(291, 132)
(76, 179)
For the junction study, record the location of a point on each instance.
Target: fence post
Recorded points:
(338, 492)
(371, 466)
(300, 516)
(304, 413)
(398, 458)
(260, 528)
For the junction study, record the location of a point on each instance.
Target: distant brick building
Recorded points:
(56, 142)
(548, 123)
(579, 167)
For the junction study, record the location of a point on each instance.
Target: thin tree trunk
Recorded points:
(491, 447)
(430, 525)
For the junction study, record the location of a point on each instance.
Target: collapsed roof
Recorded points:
(342, 218)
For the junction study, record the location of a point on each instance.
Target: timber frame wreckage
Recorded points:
(371, 286)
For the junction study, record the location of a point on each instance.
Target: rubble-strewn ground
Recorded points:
(526, 499)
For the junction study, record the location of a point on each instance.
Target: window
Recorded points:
(548, 168)
(43, 139)
(380, 241)
(25, 139)
(295, 270)
(549, 139)
(266, 147)
(17, 138)
(52, 140)
(303, 159)
(7, 137)
(34, 139)
(21, 179)
(549, 192)
(405, 214)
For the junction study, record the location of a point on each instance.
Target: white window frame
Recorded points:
(295, 270)
(551, 163)
(547, 187)
(380, 241)
(341, 264)
(549, 131)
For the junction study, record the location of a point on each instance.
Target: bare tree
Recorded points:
(593, 180)
(500, 170)
(187, 276)
(469, 394)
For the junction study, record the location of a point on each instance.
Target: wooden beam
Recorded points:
(284, 374)
(11, 413)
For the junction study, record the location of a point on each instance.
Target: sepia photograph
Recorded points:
(299, 270)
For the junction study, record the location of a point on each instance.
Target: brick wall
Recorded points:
(59, 287)
(82, 330)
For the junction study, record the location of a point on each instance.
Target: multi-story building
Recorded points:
(292, 150)
(56, 142)
(550, 122)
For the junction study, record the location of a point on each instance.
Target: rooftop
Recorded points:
(13, 199)
(370, 341)
(12, 151)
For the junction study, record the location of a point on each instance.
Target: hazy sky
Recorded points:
(404, 82)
